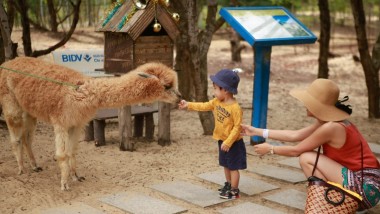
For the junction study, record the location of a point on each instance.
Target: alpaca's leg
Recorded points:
(61, 141)
(74, 135)
(13, 117)
(15, 131)
(28, 135)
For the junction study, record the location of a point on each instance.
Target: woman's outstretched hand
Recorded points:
(262, 149)
(247, 130)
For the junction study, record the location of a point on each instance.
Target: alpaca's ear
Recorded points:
(144, 75)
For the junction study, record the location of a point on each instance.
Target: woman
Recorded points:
(341, 161)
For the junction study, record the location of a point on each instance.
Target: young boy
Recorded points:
(228, 116)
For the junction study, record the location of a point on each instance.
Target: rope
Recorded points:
(42, 78)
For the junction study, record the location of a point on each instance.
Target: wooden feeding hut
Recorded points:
(137, 32)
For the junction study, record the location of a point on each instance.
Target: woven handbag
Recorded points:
(328, 197)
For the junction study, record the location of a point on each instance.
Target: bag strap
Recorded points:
(316, 160)
(361, 148)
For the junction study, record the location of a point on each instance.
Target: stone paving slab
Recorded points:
(249, 208)
(291, 198)
(292, 162)
(140, 204)
(191, 193)
(247, 185)
(75, 208)
(375, 148)
(275, 172)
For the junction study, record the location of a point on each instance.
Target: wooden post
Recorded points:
(99, 135)
(138, 125)
(149, 127)
(164, 124)
(89, 131)
(125, 128)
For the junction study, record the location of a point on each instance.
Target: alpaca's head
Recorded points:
(159, 81)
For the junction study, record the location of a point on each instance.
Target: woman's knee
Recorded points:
(307, 158)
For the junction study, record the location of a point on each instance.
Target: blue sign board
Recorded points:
(267, 26)
(264, 27)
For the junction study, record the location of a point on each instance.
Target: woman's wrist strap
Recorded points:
(265, 133)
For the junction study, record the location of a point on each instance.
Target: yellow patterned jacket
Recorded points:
(228, 118)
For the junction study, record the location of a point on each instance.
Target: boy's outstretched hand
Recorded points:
(182, 104)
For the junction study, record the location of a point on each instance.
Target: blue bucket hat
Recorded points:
(227, 79)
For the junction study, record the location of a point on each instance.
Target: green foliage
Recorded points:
(340, 9)
(287, 3)
(243, 3)
(338, 5)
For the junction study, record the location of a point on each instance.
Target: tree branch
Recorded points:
(67, 36)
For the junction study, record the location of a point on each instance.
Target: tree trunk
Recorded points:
(236, 46)
(182, 62)
(191, 57)
(10, 14)
(324, 39)
(26, 40)
(53, 16)
(376, 53)
(6, 42)
(370, 71)
(90, 14)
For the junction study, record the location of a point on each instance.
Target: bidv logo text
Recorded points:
(78, 58)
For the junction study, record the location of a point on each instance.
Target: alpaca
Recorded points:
(32, 89)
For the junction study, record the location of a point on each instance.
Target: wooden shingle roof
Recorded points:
(139, 20)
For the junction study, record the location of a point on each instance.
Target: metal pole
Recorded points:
(262, 56)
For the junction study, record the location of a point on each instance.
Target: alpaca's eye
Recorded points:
(167, 87)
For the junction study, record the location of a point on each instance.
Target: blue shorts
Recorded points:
(235, 158)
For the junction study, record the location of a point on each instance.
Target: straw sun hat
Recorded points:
(320, 98)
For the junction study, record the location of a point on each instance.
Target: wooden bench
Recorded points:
(142, 114)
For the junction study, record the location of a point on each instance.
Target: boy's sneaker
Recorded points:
(230, 194)
(225, 188)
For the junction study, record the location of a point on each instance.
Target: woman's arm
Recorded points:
(330, 132)
(282, 135)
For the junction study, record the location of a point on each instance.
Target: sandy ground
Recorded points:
(108, 170)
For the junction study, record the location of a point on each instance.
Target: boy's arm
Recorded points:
(236, 130)
(199, 106)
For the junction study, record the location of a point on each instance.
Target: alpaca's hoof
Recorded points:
(37, 169)
(65, 187)
(21, 170)
(97, 144)
(78, 178)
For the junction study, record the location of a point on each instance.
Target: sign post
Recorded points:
(262, 28)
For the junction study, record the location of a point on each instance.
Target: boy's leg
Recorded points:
(235, 178)
(223, 161)
(234, 191)
(227, 174)
(227, 184)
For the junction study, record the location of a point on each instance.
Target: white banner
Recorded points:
(88, 62)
